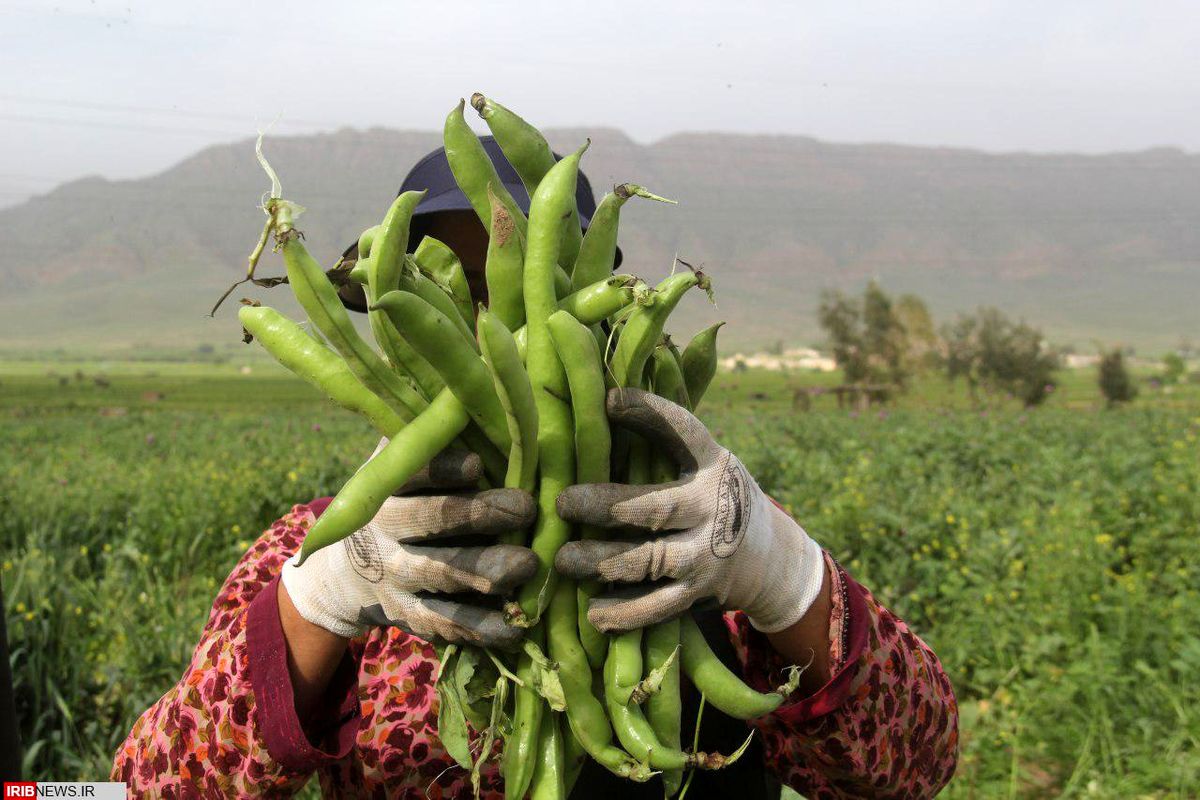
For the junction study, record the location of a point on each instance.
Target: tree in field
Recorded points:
(868, 340)
(841, 318)
(1173, 368)
(1115, 381)
(990, 351)
(924, 344)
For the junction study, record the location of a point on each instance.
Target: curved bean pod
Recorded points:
(366, 239)
(699, 362)
(718, 683)
(473, 170)
(585, 714)
(574, 756)
(600, 301)
(623, 668)
(664, 709)
(520, 747)
(549, 773)
(432, 335)
(530, 155)
(384, 265)
(314, 362)
(516, 397)
(598, 250)
(358, 273)
(554, 195)
(414, 446)
(440, 263)
(319, 299)
(668, 379)
(644, 326)
(630, 723)
(414, 281)
(580, 356)
(504, 268)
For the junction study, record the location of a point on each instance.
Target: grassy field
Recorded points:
(1049, 557)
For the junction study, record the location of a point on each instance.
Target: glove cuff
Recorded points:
(796, 577)
(310, 597)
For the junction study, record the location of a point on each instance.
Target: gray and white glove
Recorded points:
(728, 541)
(390, 572)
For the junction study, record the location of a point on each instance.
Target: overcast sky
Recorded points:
(124, 89)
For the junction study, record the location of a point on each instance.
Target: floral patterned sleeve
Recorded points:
(886, 724)
(209, 734)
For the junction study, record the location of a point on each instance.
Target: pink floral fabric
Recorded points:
(884, 726)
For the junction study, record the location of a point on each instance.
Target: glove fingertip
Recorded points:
(572, 561)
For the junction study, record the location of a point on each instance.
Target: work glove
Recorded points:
(715, 533)
(392, 570)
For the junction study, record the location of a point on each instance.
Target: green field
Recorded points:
(1049, 556)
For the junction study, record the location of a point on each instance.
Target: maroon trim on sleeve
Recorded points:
(318, 506)
(335, 727)
(834, 693)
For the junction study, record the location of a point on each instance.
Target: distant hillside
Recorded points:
(1091, 247)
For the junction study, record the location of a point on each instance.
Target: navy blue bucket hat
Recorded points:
(432, 173)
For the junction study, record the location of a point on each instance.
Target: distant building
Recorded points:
(799, 358)
(1080, 360)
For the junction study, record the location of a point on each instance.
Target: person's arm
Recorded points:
(313, 655)
(228, 727)
(837, 735)
(806, 641)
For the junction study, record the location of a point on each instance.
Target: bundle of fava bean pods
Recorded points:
(521, 383)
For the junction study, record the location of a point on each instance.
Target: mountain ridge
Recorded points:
(1092, 247)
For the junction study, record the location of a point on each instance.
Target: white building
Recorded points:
(798, 358)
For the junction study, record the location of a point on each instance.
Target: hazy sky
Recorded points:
(128, 88)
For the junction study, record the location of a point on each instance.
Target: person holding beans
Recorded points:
(326, 668)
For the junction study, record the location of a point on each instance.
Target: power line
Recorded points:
(173, 111)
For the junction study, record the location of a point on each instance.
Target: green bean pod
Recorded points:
(667, 380)
(516, 397)
(630, 723)
(585, 714)
(580, 355)
(530, 155)
(623, 667)
(521, 746)
(413, 280)
(562, 282)
(574, 756)
(504, 268)
(384, 266)
(719, 685)
(473, 170)
(432, 334)
(319, 299)
(358, 273)
(598, 250)
(699, 362)
(440, 263)
(549, 773)
(625, 651)
(644, 326)
(366, 239)
(600, 301)
(664, 709)
(293, 347)
(414, 446)
(550, 202)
